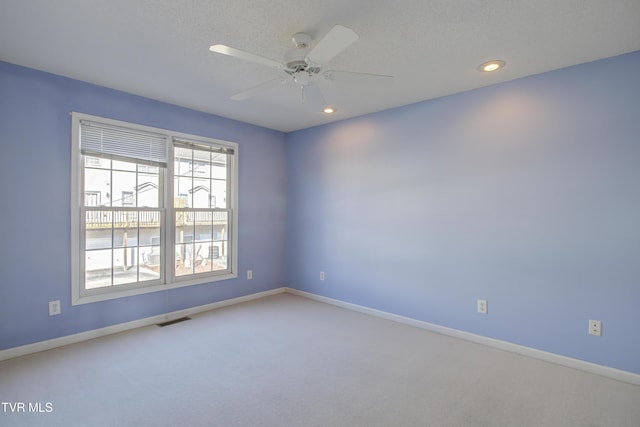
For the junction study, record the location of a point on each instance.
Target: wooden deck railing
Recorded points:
(96, 220)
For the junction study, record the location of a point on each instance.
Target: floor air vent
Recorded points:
(171, 322)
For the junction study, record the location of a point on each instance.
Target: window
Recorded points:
(151, 209)
(202, 229)
(92, 198)
(127, 198)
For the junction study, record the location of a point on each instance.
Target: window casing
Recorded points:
(151, 209)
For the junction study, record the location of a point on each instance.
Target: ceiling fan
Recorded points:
(305, 64)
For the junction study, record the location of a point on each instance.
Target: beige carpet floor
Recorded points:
(289, 361)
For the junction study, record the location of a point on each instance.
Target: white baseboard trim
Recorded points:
(121, 327)
(593, 368)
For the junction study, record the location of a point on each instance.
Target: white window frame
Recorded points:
(169, 281)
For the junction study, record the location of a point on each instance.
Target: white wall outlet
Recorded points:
(482, 306)
(595, 327)
(249, 274)
(322, 275)
(54, 307)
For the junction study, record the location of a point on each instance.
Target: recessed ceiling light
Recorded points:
(491, 66)
(329, 110)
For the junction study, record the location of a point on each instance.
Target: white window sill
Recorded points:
(111, 294)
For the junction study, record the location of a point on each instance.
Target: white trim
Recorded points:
(75, 208)
(234, 229)
(114, 329)
(593, 368)
(605, 371)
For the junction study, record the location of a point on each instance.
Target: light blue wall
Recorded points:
(35, 143)
(526, 194)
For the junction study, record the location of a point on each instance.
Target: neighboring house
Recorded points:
(112, 183)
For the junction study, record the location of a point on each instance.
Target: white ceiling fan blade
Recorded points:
(236, 53)
(248, 93)
(336, 40)
(359, 79)
(312, 96)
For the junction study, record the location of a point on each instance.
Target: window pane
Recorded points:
(184, 259)
(220, 237)
(204, 263)
(219, 263)
(220, 222)
(98, 229)
(112, 238)
(204, 238)
(97, 268)
(183, 189)
(98, 239)
(200, 194)
(149, 228)
(201, 242)
(184, 227)
(96, 187)
(149, 263)
(151, 258)
(219, 193)
(204, 226)
(147, 189)
(202, 156)
(201, 168)
(219, 167)
(196, 250)
(123, 188)
(125, 229)
(125, 265)
(201, 262)
(182, 162)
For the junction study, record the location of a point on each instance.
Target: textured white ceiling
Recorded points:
(159, 48)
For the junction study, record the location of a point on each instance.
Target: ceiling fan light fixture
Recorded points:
(301, 40)
(491, 66)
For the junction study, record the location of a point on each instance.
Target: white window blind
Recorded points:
(196, 145)
(102, 140)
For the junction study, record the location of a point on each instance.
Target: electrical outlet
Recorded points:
(595, 327)
(482, 306)
(54, 307)
(249, 274)
(322, 275)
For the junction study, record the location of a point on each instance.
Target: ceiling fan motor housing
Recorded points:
(295, 61)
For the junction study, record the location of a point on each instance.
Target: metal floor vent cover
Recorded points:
(171, 322)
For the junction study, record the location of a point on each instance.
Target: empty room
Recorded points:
(320, 213)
